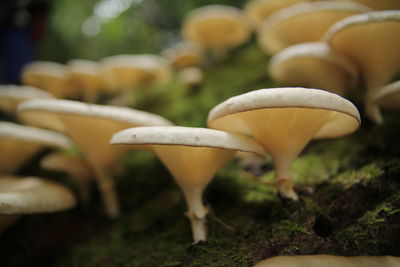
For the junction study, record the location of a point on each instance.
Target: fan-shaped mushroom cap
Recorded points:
(12, 95)
(192, 155)
(218, 27)
(91, 126)
(379, 5)
(284, 120)
(83, 76)
(329, 261)
(388, 96)
(305, 22)
(18, 143)
(33, 195)
(184, 54)
(258, 10)
(371, 41)
(313, 65)
(122, 72)
(48, 76)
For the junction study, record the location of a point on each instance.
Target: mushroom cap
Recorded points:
(388, 96)
(12, 95)
(313, 65)
(344, 118)
(304, 22)
(33, 195)
(120, 72)
(258, 10)
(48, 76)
(184, 54)
(216, 26)
(185, 136)
(379, 5)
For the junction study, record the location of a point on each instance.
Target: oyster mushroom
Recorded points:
(284, 120)
(371, 41)
(193, 156)
(304, 22)
(83, 77)
(388, 96)
(184, 54)
(313, 65)
(91, 126)
(216, 27)
(18, 143)
(379, 5)
(329, 261)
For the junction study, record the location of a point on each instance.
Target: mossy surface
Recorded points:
(349, 196)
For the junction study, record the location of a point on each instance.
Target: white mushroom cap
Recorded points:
(184, 54)
(12, 95)
(388, 96)
(313, 65)
(258, 10)
(18, 143)
(48, 76)
(304, 22)
(33, 195)
(216, 26)
(379, 4)
(371, 41)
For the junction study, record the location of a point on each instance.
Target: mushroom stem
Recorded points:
(371, 108)
(107, 190)
(196, 213)
(283, 183)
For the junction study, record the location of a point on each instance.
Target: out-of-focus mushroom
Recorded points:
(91, 126)
(75, 166)
(313, 65)
(379, 5)
(388, 96)
(83, 77)
(19, 143)
(191, 76)
(258, 10)
(193, 156)
(305, 22)
(184, 54)
(48, 76)
(30, 195)
(13, 95)
(284, 120)
(217, 27)
(371, 41)
(330, 261)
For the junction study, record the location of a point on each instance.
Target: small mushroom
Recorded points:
(91, 126)
(75, 166)
(30, 195)
(371, 41)
(193, 156)
(83, 77)
(304, 22)
(284, 120)
(48, 76)
(191, 76)
(330, 261)
(258, 10)
(216, 27)
(184, 54)
(18, 143)
(313, 65)
(388, 96)
(13, 95)
(379, 5)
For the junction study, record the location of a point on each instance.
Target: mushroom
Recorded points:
(305, 22)
(193, 156)
(184, 54)
(19, 143)
(284, 120)
(12, 95)
(313, 65)
(31, 195)
(91, 127)
(258, 10)
(191, 76)
(330, 261)
(379, 5)
(217, 27)
(48, 76)
(75, 166)
(371, 41)
(388, 96)
(83, 76)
